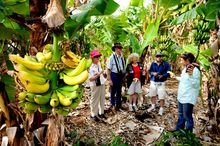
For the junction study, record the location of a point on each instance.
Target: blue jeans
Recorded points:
(116, 89)
(185, 119)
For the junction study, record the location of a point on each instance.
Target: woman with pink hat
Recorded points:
(97, 85)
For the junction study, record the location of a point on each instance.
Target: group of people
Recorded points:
(133, 71)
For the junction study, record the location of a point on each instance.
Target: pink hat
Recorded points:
(95, 53)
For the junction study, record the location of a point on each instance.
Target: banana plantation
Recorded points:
(46, 56)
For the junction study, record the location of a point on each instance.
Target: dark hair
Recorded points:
(116, 45)
(188, 56)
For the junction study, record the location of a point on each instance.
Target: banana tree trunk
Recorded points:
(38, 34)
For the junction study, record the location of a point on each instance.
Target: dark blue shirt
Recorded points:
(161, 69)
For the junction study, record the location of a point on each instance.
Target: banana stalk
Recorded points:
(56, 58)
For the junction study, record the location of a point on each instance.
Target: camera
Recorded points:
(98, 81)
(190, 66)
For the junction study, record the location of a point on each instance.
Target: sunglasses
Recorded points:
(96, 56)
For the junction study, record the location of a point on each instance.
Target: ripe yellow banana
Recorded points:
(54, 101)
(27, 63)
(69, 88)
(37, 88)
(42, 98)
(30, 78)
(65, 101)
(68, 62)
(74, 72)
(31, 106)
(76, 79)
(75, 103)
(20, 67)
(44, 109)
(73, 56)
(47, 48)
(30, 58)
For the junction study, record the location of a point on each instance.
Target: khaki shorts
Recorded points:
(135, 88)
(157, 88)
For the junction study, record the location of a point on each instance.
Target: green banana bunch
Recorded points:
(42, 99)
(54, 66)
(62, 111)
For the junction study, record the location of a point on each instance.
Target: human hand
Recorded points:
(154, 73)
(135, 80)
(172, 75)
(110, 82)
(160, 76)
(190, 70)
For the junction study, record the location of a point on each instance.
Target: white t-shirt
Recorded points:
(94, 69)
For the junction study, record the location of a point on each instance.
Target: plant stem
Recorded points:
(56, 58)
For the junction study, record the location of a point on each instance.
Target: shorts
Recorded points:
(157, 88)
(135, 88)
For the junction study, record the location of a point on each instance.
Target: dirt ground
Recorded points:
(135, 128)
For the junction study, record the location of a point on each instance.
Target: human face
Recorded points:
(95, 60)
(134, 60)
(184, 62)
(118, 51)
(158, 58)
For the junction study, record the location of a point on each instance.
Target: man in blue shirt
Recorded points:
(115, 75)
(158, 75)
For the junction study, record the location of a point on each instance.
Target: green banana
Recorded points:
(82, 77)
(37, 88)
(79, 69)
(30, 58)
(65, 101)
(27, 63)
(30, 97)
(44, 109)
(69, 88)
(22, 96)
(31, 106)
(75, 103)
(68, 94)
(54, 101)
(21, 104)
(30, 78)
(62, 111)
(42, 99)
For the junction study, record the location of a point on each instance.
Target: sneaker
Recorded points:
(161, 111)
(130, 108)
(152, 108)
(135, 108)
(94, 118)
(102, 116)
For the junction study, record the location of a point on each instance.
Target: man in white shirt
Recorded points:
(115, 75)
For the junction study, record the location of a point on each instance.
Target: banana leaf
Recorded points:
(169, 3)
(9, 86)
(134, 44)
(93, 8)
(191, 14)
(150, 33)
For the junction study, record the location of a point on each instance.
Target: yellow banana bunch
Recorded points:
(70, 59)
(78, 79)
(27, 77)
(30, 64)
(54, 66)
(37, 88)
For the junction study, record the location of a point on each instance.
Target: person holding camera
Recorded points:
(97, 85)
(188, 91)
(115, 75)
(135, 79)
(158, 75)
